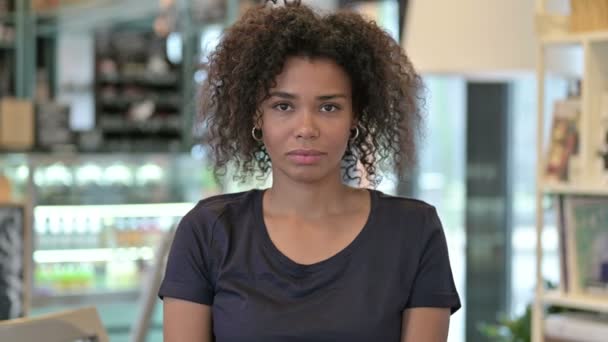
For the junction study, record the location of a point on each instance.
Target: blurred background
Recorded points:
(98, 141)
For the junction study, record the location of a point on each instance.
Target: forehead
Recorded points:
(317, 76)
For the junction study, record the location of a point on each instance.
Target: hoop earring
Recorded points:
(259, 137)
(356, 129)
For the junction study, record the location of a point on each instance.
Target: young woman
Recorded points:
(311, 99)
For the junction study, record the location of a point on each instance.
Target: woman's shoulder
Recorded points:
(403, 219)
(221, 201)
(402, 204)
(410, 214)
(211, 208)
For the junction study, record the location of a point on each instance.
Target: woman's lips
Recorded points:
(305, 157)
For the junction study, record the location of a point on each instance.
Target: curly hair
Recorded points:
(251, 53)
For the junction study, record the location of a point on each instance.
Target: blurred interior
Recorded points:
(114, 160)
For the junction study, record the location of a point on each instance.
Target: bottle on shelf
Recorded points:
(132, 232)
(119, 231)
(95, 231)
(54, 241)
(41, 236)
(67, 229)
(121, 274)
(81, 223)
(108, 232)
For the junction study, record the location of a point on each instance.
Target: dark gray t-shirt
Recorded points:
(222, 256)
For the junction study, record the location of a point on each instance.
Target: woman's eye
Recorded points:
(282, 107)
(329, 108)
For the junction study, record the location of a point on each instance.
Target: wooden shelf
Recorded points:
(569, 189)
(575, 38)
(571, 56)
(11, 204)
(599, 36)
(562, 39)
(590, 303)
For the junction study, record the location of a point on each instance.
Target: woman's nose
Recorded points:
(307, 127)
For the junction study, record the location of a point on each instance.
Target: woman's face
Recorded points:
(306, 122)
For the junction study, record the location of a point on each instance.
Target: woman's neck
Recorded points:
(308, 200)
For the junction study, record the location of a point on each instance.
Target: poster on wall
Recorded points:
(12, 261)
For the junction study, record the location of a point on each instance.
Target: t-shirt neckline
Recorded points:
(298, 268)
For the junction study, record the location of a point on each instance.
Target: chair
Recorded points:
(66, 326)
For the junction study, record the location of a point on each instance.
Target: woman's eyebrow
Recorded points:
(331, 96)
(283, 94)
(290, 96)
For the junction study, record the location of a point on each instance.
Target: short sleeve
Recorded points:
(188, 271)
(434, 284)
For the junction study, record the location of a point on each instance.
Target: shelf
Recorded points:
(88, 15)
(589, 303)
(123, 103)
(169, 80)
(11, 204)
(562, 39)
(86, 297)
(574, 38)
(567, 189)
(118, 210)
(134, 134)
(117, 127)
(92, 255)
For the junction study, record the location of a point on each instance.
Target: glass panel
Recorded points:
(523, 173)
(441, 174)
(98, 220)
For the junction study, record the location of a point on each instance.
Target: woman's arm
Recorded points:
(425, 325)
(186, 321)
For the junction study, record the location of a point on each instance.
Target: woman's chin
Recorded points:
(306, 175)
